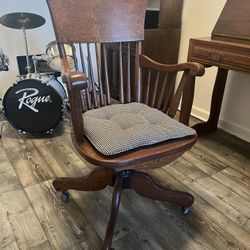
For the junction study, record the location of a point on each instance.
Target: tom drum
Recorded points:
(54, 58)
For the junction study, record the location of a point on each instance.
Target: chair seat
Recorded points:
(119, 128)
(143, 158)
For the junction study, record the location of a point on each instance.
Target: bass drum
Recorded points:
(35, 105)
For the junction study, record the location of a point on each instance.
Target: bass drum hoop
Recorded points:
(55, 86)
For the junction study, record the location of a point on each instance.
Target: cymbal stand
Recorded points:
(26, 50)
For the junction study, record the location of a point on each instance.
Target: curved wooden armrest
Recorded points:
(195, 69)
(75, 80)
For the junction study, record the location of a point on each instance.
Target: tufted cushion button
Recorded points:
(121, 127)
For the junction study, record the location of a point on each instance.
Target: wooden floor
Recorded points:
(216, 172)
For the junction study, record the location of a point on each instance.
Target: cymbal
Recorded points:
(20, 20)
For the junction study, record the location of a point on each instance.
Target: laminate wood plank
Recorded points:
(236, 147)
(12, 245)
(8, 182)
(8, 178)
(209, 223)
(219, 196)
(229, 177)
(19, 227)
(96, 207)
(29, 164)
(137, 240)
(162, 225)
(235, 181)
(203, 161)
(227, 156)
(61, 222)
(227, 201)
(64, 161)
(186, 170)
(21, 219)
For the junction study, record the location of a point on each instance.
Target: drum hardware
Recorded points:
(23, 21)
(4, 61)
(36, 59)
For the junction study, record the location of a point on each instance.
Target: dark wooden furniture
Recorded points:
(160, 43)
(228, 49)
(117, 21)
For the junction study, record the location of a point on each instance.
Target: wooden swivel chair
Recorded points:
(106, 21)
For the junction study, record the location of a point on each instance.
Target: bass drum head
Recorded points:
(33, 106)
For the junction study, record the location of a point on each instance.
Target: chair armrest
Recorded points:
(195, 69)
(75, 80)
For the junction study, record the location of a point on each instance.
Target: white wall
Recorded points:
(199, 18)
(11, 40)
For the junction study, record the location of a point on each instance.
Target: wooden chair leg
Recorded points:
(113, 213)
(146, 186)
(98, 179)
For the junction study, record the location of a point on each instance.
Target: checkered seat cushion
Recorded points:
(122, 127)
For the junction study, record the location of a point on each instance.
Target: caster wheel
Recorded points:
(186, 210)
(65, 197)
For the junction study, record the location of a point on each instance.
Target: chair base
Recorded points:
(141, 182)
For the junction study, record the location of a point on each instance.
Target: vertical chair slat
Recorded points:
(84, 108)
(88, 99)
(138, 89)
(93, 90)
(159, 101)
(177, 96)
(63, 56)
(146, 97)
(128, 76)
(121, 87)
(169, 91)
(102, 103)
(82, 58)
(74, 56)
(106, 74)
(153, 98)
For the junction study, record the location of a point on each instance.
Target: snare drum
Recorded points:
(35, 105)
(54, 58)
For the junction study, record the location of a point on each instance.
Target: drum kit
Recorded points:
(36, 101)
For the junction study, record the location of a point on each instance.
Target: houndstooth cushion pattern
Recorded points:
(121, 127)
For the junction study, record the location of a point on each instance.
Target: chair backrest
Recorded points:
(98, 21)
(105, 22)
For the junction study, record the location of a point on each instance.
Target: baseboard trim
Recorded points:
(230, 127)
(235, 129)
(199, 113)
